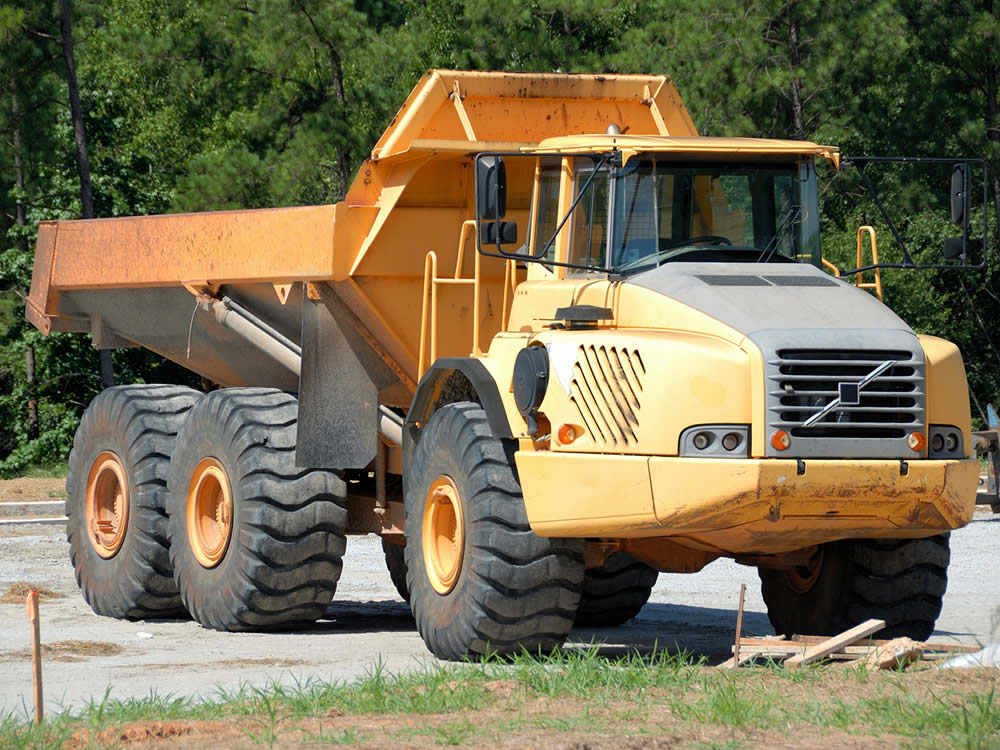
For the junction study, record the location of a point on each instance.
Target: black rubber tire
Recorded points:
(287, 542)
(516, 590)
(901, 581)
(138, 423)
(614, 593)
(395, 562)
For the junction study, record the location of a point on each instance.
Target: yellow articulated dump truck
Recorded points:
(550, 343)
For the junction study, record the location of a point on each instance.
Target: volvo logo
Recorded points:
(849, 394)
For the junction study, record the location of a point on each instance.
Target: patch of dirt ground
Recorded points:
(30, 489)
(651, 719)
(144, 732)
(65, 651)
(18, 592)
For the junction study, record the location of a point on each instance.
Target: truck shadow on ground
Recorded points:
(701, 631)
(346, 616)
(706, 632)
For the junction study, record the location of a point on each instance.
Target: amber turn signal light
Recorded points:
(568, 433)
(780, 440)
(916, 441)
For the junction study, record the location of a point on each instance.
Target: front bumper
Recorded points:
(743, 507)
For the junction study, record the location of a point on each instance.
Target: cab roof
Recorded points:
(631, 145)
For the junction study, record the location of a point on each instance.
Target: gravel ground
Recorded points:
(368, 624)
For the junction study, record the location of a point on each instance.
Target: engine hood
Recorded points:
(814, 334)
(752, 298)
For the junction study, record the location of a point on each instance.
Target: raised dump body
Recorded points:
(551, 343)
(130, 280)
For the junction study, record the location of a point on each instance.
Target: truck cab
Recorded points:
(700, 387)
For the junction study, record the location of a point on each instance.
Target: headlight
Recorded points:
(531, 378)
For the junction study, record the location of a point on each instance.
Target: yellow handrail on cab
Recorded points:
(428, 308)
(858, 282)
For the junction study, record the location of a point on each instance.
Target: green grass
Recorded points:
(342, 737)
(972, 723)
(572, 690)
(48, 471)
(583, 672)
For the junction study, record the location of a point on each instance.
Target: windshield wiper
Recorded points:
(789, 218)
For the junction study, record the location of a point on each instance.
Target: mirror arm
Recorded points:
(496, 203)
(569, 212)
(907, 260)
(965, 215)
(968, 244)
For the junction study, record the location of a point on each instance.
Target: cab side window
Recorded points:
(547, 216)
(589, 226)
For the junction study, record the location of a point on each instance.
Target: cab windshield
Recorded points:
(653, 211)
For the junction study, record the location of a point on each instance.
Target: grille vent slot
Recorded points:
(607, 390)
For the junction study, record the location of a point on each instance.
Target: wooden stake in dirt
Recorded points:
(737, 659)
(739, 625)
(36, 652)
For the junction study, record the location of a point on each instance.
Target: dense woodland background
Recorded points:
(191, 105)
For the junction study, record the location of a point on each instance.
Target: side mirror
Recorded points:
(959, 195)
(498, 233)
(491, 188)
(957, 247)
(954, 247)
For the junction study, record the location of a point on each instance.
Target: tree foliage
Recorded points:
(197, 105)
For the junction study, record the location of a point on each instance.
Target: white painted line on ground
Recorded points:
(52, 521)
(33, 508)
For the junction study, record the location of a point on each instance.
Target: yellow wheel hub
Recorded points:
(209, 512)
(443, 534)
(802, 578)
(106, 504)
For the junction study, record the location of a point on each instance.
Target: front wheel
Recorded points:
(480, 580)
(901, 581)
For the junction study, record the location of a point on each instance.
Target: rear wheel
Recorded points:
(901, 581)
(395, 562)
(116, 500)
(615, 592)
(256, 541)
(480, 579)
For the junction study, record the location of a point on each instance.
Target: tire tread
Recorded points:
(142, 421)
(901, 581)
(289, 539)
(524, 589)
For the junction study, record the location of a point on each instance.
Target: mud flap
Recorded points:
(338, 392)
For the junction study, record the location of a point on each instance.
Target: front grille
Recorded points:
(802, 381)
(606, 390)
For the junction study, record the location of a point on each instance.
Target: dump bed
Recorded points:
(135, 281)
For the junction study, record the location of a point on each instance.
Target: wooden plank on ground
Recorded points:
(731, 662)
(788, 648)
(835, 643)
(962, 647)
(771, 640)
(804, 641)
